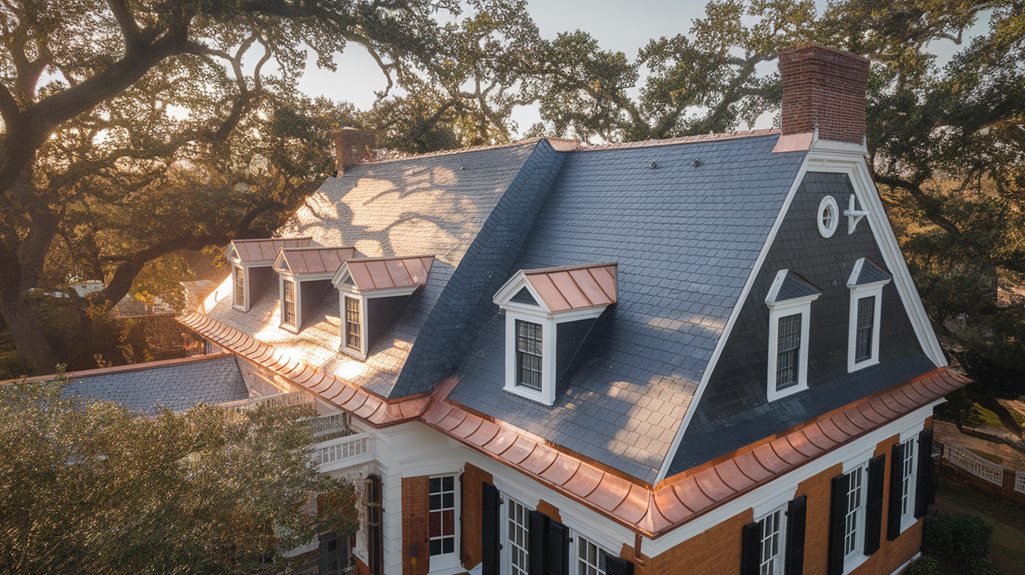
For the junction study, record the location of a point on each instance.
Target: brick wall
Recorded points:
(824, 88)
(718, 549)
(415, 551)
(471, 551)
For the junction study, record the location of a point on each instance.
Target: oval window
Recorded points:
(829, 216)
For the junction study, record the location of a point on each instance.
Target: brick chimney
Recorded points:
(824, 88)
(352, 146)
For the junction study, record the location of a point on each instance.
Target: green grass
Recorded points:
(1008, 546)
(988, 417)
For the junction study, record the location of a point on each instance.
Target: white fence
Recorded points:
(978, 466)
(344, 451)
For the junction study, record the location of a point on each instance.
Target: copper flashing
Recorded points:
(575, 287)
(376, 274)
(263, 251)
(312, 261)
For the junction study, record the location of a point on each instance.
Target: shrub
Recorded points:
(963, 539)
(925, 565)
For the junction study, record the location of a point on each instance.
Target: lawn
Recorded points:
(1008, 547)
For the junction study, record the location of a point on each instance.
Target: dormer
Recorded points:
(789, 301)
(371, 291)
(304, 274)
(251, 266)
(866, 283)
(548, 315)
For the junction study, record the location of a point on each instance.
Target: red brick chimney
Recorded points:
(352, 146)
(824, 88)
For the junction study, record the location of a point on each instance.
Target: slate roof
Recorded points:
(791, 286)
(685, 235)
(312, 260)
(442, 204)
(177, 384)
(373, 274)
(263, 251)
(868, 273)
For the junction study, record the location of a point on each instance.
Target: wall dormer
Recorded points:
(251, 266)
(371, 291)
(866, 283)
(548, 314)
(304, 275)
(789, 301)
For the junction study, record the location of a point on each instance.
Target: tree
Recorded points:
(132, 130)
(92, 488)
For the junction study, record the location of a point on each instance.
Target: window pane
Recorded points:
(441, 520)
(353, 329)
(788, 351)
(771, 558)
(240, 286)
(517, 529)
(590, 557)
(863, 336)
(289, 303)
(528, 354)
(852, 521)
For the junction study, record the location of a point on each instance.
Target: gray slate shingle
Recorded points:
(176, 387)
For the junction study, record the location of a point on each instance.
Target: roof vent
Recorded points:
(653, 164)
(696, 163)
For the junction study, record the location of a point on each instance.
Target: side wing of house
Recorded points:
(830, 316)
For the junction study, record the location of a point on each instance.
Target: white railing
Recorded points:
(326, 424)
(285, 399)
(976, 465)
(1019, 482)
(343, 451)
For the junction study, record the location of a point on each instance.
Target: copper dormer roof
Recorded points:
(386, 273)
(312, 261)
(573, 287)
(262, 251)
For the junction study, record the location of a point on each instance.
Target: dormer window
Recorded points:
(866, 283)
(372, 290)
(548, 314)
(789, 301)
(251, 266)
(304, 275)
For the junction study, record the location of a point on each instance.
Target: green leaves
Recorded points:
(93, 489)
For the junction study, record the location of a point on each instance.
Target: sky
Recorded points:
(623, 25)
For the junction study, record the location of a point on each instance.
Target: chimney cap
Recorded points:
(819, 48)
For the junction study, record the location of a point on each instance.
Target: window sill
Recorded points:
(854, 562)
(907, 523)
(773, 395)
(859, 366)
(527, 393)
(238, 307)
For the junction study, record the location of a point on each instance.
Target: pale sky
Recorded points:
(617, 25)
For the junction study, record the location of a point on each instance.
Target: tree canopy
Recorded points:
(92, 488)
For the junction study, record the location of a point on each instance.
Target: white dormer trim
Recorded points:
(779, 309)
(247, 277)
(339, 280)
(538, 314)
(297, 286)
(858, 293)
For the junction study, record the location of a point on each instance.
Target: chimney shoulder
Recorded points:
(352, 147)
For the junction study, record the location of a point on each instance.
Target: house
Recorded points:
(702, 354)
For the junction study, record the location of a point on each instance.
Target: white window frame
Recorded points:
(235, 269)
(853, 559)
(909, 482)
(577, 541)
(507, 545)
(448, 561)
(779, 310)
(297, 285)
(828, 204)
(858, 293)
(360, 353)
(548, 330)
(778, 566)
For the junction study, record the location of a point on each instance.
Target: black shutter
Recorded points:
(924, 490)
(796, 511)
(618, 566)
(330, 554)
(537, 523)
(556, 549)
(896, 489)
(874, 503)
(837, 514)
(490, 528)
(751, 548)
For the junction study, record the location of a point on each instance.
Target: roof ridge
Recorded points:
(317, 248)
(710, 137)
(386, 258)
(567, 268)
(83, 373)
(454, 151)
(271, 239)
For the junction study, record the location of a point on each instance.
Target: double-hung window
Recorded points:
(353, 325)
(771, 555)
(788, 351)
(240, 287)
(442, 519)
(288, 302)
(528, 354)
(590, 558)
(517, 533)
(854, 518)
(866, 284)
(789, 300)
(908, 475)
